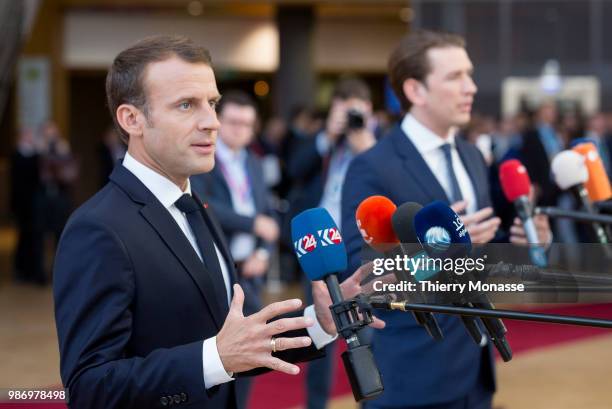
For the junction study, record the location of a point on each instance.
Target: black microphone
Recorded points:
(403, 226)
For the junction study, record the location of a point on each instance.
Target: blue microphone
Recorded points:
(318, 244)
(321, 253)
(443, 235)
(441, 231)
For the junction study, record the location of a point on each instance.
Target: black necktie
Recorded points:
(192, 209)
(455, 192)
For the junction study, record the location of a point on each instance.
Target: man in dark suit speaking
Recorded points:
(147, 310)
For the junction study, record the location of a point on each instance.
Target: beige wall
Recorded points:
(92, 39)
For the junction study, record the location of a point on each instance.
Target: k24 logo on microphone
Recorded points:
(330, 236)
(305, 245)
(309, 242)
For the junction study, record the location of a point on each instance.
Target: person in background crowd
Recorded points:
(59, 172)
(507, 138)
(25, 205)
(111, 149)
(237, 193)
(539, 146)
(597, 131)
(571, 126)
(321, 164)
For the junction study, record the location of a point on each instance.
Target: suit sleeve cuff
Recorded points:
(214, 372)
(319, 337)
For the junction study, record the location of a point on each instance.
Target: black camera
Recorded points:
(355, 120)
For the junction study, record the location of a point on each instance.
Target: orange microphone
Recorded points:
(373, 217)
(598, 184)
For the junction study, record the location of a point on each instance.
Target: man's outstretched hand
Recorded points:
(245, 343)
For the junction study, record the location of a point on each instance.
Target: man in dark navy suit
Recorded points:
(421, 160)
(147, 308)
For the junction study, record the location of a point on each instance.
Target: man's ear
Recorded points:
(414, 91)
(131, 119)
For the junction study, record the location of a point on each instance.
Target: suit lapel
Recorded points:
(415, 165)
(171, 234)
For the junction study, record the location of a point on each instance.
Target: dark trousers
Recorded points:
(480, 397)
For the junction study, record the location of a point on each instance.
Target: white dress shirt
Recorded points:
(168, 193)
(428, 144)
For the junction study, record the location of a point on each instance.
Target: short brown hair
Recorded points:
(409, 59)
(351, 87)
(125, 78)
(236, 97)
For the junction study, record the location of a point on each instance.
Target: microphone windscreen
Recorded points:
(318, 244)
(438, 227)
(598, 184)
(514, 179)
(373, 218)
(403, 222)
(569, 169)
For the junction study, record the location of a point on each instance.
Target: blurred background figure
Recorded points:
(506, 140)
(269, 146)
(25, 206)
(59, 172)
(110, 150)
(539, 145)
(599, 133)
(237, 193)
(318, 165)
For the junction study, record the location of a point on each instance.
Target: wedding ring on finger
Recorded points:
(273, 344)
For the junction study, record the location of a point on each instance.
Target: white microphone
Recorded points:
(571, 173)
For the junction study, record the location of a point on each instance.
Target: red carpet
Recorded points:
(280, 391)
(288, 391)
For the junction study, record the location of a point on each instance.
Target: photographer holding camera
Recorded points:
(317, 167)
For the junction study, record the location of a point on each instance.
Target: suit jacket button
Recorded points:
(177, 399)
(183, 397)
(164, 401)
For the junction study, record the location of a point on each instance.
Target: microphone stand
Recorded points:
(350, 316)
(384, 303)
(582, 217)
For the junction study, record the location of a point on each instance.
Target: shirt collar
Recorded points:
(162, 188)
(422, 137)
(227, 155)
